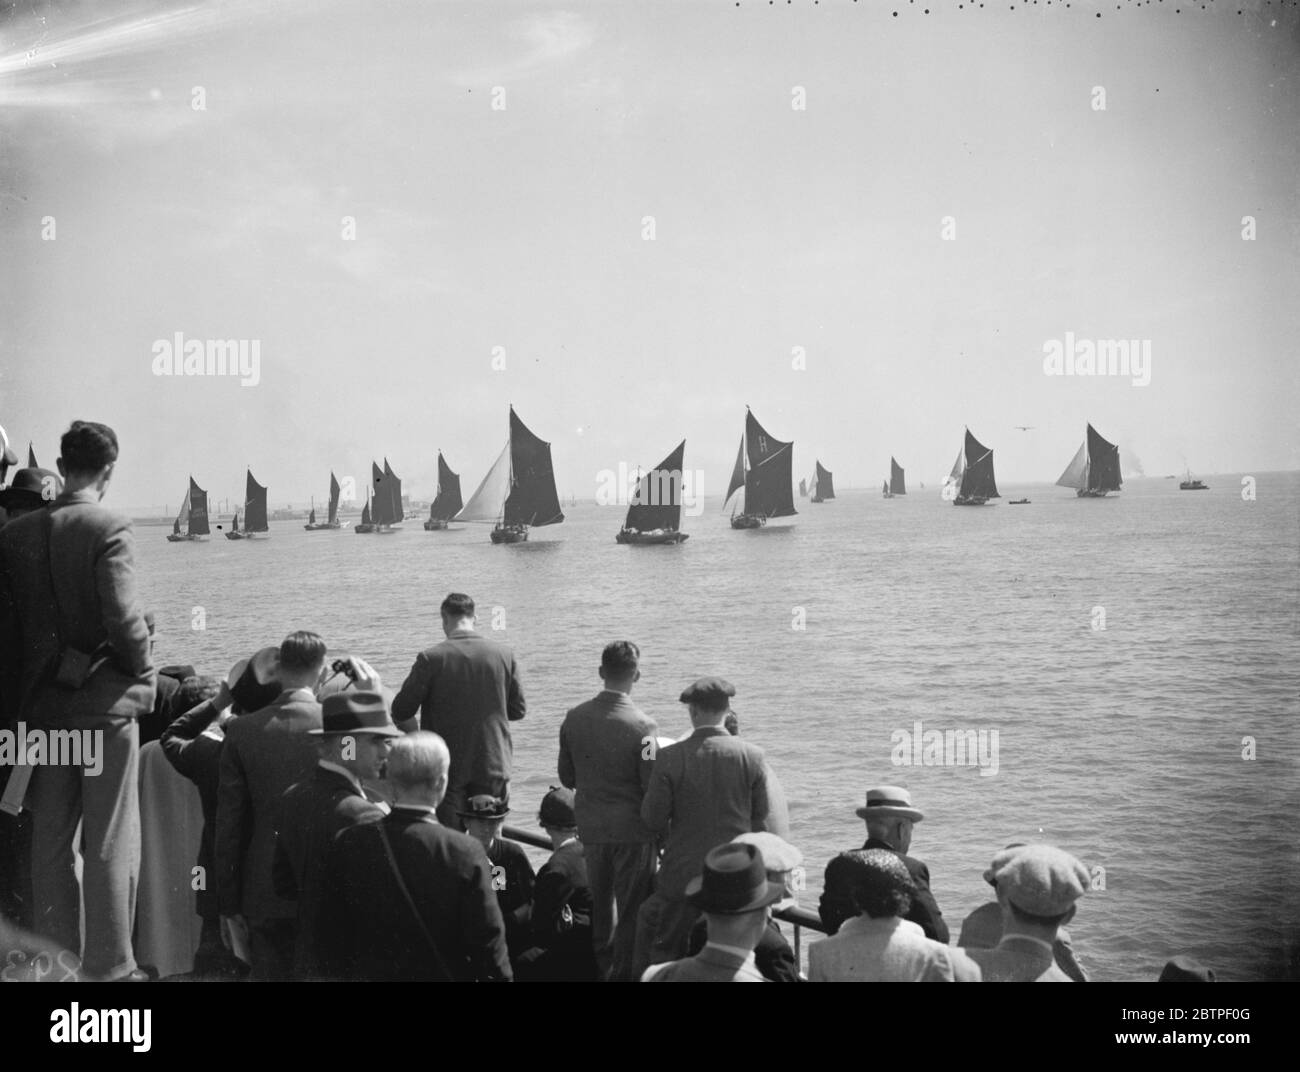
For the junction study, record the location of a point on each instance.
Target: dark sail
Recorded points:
(254, 506)
(737, 473)
(198, 510)
(978, 480)
(447, 504)
(896, 484)
(394, 495)
(533, 499)
(31, 458)
(884, 486)
(334, 500)
(658, 501)
(311, 517)
(825, 487)
(379, 497)
(1103, 463)
(803, 489)
(769, 478)
(365, 512)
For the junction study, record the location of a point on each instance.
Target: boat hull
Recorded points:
(1195, 485)
(1018, 502)
(365, 529)
(647, 538)
(234, 536)
(1091, 493)
(970, 500)
(434, 526)
(174, 538)
(510, 534)
(323, 525)
(747, 521)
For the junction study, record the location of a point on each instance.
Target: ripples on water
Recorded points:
(1123, 745)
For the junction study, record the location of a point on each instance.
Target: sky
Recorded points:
(800, 163)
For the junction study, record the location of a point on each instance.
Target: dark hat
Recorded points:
(734, 881)
(1186, 970)
(711, 692)
(31, 488)
(179, 671)
(356, 713)
(557, 809)
(484, 806)
(889, 800)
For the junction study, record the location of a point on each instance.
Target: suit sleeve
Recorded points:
(234, 819)
(759, 806)
(176, 737)
(835, 905)
(410, 697)
(550, 895)
(123, 621)
(11, 644)
(646, 764)
(564, 765)
(283, 880)
(330, 941)
(516, 708)
(925, 909)
(1063, 953)
(775, 959)
(657, 804)
(481, 922)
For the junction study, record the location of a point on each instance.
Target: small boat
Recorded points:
(1094, 470)
(365, 526)
(764, 469)
(822, 486)
(519, 490)
(332, 521)
(233, 533)
(193, 515)
(447, 503)
(895, 485)
(1188, 484)
(1017, 502)
(971, 481)
(254, 509)
(656, 510)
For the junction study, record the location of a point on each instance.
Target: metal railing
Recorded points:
(800, 918)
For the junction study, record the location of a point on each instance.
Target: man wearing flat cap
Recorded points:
(1037, 888)
(704, 791)
(354, 738)
(889, 816)
(736, 897)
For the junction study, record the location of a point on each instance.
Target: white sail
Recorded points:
(953, 483)
(1076, 473)
(488, 502)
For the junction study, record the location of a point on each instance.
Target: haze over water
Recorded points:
(1122, 745)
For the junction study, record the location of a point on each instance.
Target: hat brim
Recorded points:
(11, 497)
(695, 896)
(480, 815)
(891, 810)
(360, 731)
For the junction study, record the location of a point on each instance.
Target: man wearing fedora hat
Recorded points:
(735, 895)
(30, 489)
(355, 735)
(1037, 886)
(704, 791)
(889, 816)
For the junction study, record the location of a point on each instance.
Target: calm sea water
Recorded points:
(1122, 745)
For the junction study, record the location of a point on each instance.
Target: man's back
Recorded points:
(703, 792)
(604, 755)
(836, 905)
(888, 950)
(709, 965)
(467, 691)
(311, 813)
(1018, 959)
(73, 583)
(264, 754)
(367, 929)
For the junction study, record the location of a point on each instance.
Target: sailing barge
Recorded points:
(971, 481)
(193, 515)
(1094, 470)
(895, 485)
(519, 490)
(764, 470)
(447, 503)
(822, 487)
(383, 510)
(655, 515)
(255, 520)
(333, 522)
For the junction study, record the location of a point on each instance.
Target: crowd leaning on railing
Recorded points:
(354, 832)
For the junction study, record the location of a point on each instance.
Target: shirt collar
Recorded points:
(302, 693)
(1047, 946)
(422, 809)
(891, 924)
(710, 731)
(607, 691)
(338, 769)
(85, 495)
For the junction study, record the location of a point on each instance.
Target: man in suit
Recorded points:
(560, 921)
(704, 791)
(405, 899)
(484, 817)
(982, 929)
(355, 735)
(264, 753)
(878, 945)
(889, 816)
(467, 690)
(607, 752)
(77, 659)
(735, 895)
(1037, 886)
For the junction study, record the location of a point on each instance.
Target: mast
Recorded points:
(658, 500)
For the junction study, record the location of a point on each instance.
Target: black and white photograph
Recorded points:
(713, 491)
